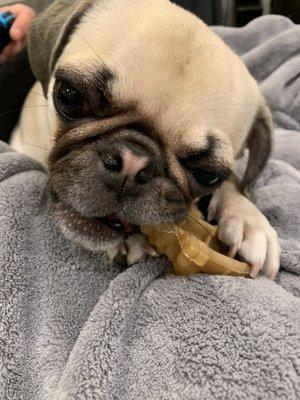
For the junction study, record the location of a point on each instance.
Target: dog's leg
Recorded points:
(245, 230)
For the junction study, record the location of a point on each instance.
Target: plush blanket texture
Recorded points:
(72, 326)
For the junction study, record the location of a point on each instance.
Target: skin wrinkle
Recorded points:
(78, 136)
(67, 139)
(205, 152)
(177, 174)
(87, 85)
(175, 170)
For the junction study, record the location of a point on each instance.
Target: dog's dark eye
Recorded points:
(204, 177)
(207, 178)
(69, 102)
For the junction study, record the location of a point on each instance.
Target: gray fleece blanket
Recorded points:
(72, 326)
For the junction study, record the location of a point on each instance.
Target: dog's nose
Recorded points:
(129, 167)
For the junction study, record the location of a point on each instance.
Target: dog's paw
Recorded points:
(138, 248)
(247, 232)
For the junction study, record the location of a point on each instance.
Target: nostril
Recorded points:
(113, 163)
(143, 176)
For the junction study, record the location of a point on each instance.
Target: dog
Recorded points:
(147, 111)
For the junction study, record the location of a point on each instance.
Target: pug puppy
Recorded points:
(147, 111)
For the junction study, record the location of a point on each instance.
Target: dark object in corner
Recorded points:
(288, 8)
(213, 12)
(247, 10)
(15, 81)
(6, 20)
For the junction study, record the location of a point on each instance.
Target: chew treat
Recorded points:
(193, 247)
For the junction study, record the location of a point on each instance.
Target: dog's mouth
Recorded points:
(114, 223)
(104, 228)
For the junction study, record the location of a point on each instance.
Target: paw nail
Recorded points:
(255, 270)
(232, 251)
(150, 250)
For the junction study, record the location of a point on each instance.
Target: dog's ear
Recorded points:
(259, 144)
(49, 34)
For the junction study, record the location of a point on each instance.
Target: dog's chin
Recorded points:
(95, 234)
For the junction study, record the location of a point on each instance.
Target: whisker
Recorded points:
(20, 108)
(195, 220)
(44, 197)
(31, 144)
(91, 47)
(49, 210)
(21, 90)
(46, 200)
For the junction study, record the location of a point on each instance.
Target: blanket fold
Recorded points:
(73, 326)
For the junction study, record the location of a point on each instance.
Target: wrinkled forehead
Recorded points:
(173, 110)
(163, 64)
(167, 81)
